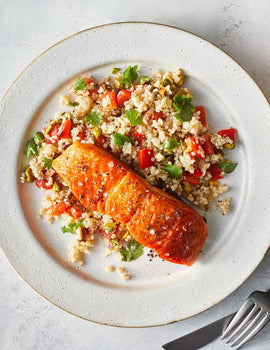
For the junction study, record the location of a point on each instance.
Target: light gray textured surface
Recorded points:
(242, 29)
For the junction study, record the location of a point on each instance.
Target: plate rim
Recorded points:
(154, 24)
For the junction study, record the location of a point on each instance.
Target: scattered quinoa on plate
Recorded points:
(151, 125)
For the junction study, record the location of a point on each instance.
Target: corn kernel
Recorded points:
(229, 145)
(213, 183)
(96, 131)
(227, 161)
(117, 83)
(187, 187)
(29, 177)
(181, 81)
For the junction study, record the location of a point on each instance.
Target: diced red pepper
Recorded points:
(109, 100)
(146, 158)
(202, 116)
(101, 141)
(52, 135)
(138, 137)
(207, 145)
(44, 184)
(58, 208)
(123, 96)
(81, 135)
(74, 211)
(197, 173)
(91, 92)
(194, 146)
(231, 133)
(64, 130)
(87, 80)
(215, 172)
(190, 178)
(156, 115)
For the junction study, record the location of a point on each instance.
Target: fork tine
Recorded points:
(237, 317)
(256, 329)
(243, 323)
(247, 329)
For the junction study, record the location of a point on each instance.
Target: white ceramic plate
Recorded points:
(159, 292)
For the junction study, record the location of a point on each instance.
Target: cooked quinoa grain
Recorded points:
(152, 127)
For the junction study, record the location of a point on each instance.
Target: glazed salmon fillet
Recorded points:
(153, 217)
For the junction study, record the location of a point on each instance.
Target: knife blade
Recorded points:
(200, 337)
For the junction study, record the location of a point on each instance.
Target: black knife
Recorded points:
(201, 337)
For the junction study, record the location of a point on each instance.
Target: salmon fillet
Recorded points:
(153, 217)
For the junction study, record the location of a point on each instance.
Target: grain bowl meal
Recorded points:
(117, 159)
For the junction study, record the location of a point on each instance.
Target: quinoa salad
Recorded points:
(151, 125)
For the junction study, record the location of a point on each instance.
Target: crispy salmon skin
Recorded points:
(153, 217)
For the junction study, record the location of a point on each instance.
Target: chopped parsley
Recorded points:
(174, 171)
(227, 167)
(184, 107)
(38, 138)
(132, 251)
(93, 118)
(31, 148)
(145, 80)
(171, 143)
(71, 227)
(133, 117)
(73, 104)
(47, 163)
(129, 75)
(80, 84)
(120, 139)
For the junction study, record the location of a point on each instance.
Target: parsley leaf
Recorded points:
(80, 84)
(133, 117)
(145, 80)
(129, 75)
(93, 118)
(31, 148)
(120, 139)
(227, 167)
(71, 227)
(171, 143)
(132, 251)
(73, 104)
(47, 163)
(173, 170)
(38, 138)
(185, 108)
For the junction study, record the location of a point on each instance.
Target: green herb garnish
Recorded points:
(174, 171)
(80, 84)
(133, 117)
(38, 138)
(132, 251)
(31, 148)
(120, 139)
(115, 70)
(129, 75)
(93, 118)
(47, 163)
(71, 227)
(145, 80)
(171, 143)
(227, 167)
(185, 108)
(73, 104)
